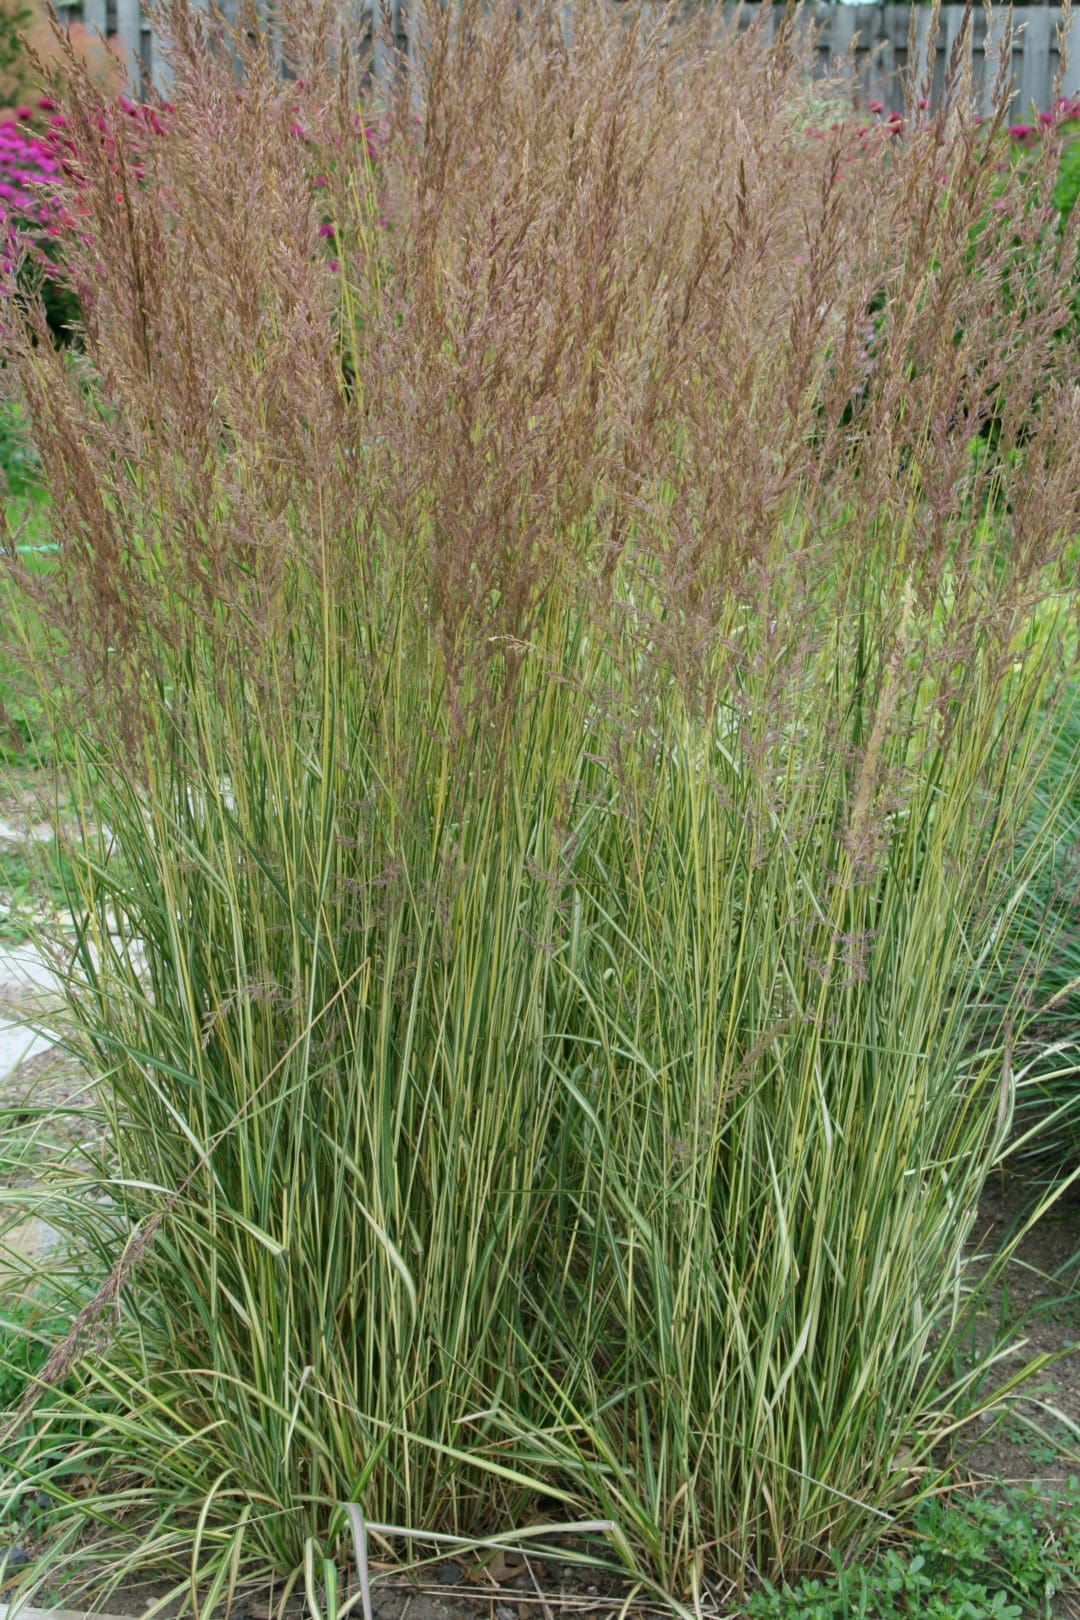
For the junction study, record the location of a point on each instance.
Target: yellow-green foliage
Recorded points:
(566, 698)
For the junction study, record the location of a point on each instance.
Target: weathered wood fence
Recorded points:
(878, 33)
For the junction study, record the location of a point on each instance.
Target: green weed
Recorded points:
(975, 1560)
(36, 884)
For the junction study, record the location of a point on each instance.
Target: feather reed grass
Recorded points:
(555, 667)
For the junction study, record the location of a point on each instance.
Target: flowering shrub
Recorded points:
(42, 168)
(1024, 137)
(1063, 118)
(30, 163)
(1044, 151)
(1068, 181)
(30, 150)
(336, 155)
(1048, 145)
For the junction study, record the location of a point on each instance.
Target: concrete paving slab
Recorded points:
(16, 1613)
(17, 1045)
(30, 1242)
(25, 832)
(24, 967)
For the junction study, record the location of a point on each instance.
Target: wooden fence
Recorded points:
(877, 35)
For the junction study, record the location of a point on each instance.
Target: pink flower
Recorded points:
(876, 106)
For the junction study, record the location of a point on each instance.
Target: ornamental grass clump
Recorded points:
(554, 683)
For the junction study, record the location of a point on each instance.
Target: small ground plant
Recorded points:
(568, 701)
(980, 1560)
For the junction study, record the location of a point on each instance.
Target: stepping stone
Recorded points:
(56, 1614)
(17, 1044)
(28, 1244)
(22, 832)
(23, 967)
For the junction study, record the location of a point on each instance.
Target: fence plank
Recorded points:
(988, 36)
(880, 56)
(386, 49)
(1071, 83)
(839, 34)
(953, 18)
(925, 63)
(94, 15)
(1035, 75)
(129, 30)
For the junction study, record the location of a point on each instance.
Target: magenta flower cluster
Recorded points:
(32, 161)
(363, 133)
(1063, 111)
(29, 165)
(37, 151)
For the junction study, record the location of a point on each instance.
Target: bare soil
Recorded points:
(1037, 1438)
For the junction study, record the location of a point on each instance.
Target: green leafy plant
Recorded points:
(966, 1561)
(35, 881)
(1067, 185)
(18, 461)
(29, 1326)
(25, 745)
